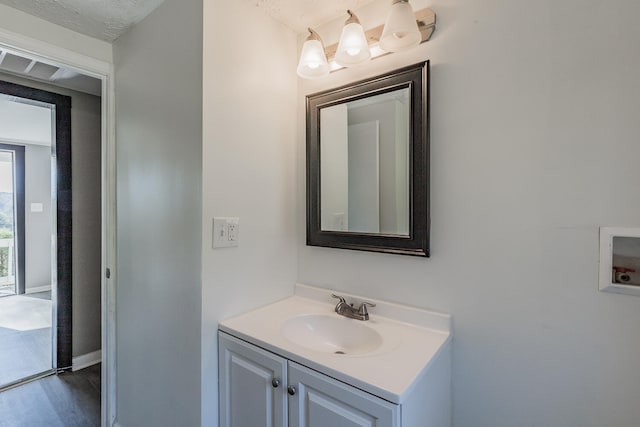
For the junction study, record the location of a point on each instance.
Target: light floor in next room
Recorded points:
(25, 336)
(71, 399)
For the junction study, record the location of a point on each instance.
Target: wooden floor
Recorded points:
(71, 399)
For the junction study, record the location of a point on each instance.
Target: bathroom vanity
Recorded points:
(298, 363)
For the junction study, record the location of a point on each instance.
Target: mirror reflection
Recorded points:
(368, 164)
(626, 261)
(365, 164)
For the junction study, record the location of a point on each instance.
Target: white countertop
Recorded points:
(412, 338)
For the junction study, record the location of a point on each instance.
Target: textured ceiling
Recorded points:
(300, 14)
(102, 19)
(108, 19)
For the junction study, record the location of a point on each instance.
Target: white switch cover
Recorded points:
(226, 232)
(36, 207)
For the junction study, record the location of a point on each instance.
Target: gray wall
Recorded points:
(86, 165)
(534, 145)
(86, 188)
(158, 72)
(37, 159)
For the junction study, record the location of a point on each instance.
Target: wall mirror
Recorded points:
(368, 164)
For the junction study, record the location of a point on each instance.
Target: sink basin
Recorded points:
(305, 329)
(332, 334)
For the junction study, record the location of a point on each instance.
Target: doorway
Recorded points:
(25, 320)
(44, 62)
(40, 322)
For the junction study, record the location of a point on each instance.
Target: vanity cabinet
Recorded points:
(321, 401)
(252, 385)
(260, 388)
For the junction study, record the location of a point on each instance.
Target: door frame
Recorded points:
(62, 322)
(47, 53)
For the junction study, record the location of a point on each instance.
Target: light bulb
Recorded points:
(353, 48)
(401, 29)
(313, 61)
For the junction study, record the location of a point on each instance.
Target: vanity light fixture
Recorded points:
(397, 34)
(353, 48)
(401, 29)
(313, 61)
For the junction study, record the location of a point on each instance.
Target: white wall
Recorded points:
(24, 123)
(534, 145)
(158, 76)
(334, 168)
(249, 169)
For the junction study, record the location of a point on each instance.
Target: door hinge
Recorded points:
(107, 273)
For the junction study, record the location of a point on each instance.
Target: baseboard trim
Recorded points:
(38, 289)
(86, 360)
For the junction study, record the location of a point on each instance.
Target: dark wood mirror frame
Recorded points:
(416, 78)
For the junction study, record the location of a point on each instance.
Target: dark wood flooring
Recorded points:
(71, 399)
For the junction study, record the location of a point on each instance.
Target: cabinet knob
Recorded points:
(275, 382)
(291, 390)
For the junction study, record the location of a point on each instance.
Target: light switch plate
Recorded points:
(226, 232)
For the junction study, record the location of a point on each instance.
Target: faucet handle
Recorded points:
(342, 300)
(362, 310)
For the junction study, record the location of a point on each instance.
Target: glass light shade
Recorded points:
(401, 29)
(353, 47)
(313, 62)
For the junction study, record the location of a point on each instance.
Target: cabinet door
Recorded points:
(248, 395)
(321, 401)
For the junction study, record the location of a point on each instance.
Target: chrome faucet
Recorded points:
(347, 310)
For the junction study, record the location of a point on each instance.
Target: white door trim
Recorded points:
(55, 55)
